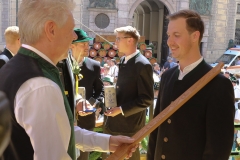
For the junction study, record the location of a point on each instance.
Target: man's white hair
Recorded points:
(33, 14)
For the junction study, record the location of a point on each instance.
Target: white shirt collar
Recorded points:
(38, 52)
(130, 56)
(188, 69)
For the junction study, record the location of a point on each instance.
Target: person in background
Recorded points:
(237, 61)
(104, 61)
(12, 39)
(106, 69)
(113, 70)
(42, 121)
(90, 70)
(134, 88)
(236, 89)
(156, 72)
(167, 63)
(107, 81)
(202, 129)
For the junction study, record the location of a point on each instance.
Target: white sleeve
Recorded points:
(40, 110)
(91, 141)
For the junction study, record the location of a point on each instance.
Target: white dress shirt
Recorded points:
(130, 56)
(188, 68)
(39, 109)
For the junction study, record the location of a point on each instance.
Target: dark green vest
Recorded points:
(51, 72)
(26, 65)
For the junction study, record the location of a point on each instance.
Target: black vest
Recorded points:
(10, 81)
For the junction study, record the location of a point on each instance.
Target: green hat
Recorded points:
(81, 36)
(107, 79)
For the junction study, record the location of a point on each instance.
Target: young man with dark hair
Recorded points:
(202, 129)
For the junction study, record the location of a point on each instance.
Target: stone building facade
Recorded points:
(221, 18)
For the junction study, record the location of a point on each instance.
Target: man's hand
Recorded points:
(113, 112)
(79, 108)
(116, 141)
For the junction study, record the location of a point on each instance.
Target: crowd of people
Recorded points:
(50, 119)
(234, 78)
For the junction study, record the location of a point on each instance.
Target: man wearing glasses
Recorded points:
(134, 87)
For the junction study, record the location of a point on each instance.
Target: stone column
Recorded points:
(217, 41)
(140, 23)
(154, 18)
(5, 16)
(147, 26)
(160, 34)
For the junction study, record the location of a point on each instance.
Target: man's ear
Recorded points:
(50, 29)
(195, 36)
(71, 46)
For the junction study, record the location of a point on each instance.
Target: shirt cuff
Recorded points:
(91, 141)
(121, 110)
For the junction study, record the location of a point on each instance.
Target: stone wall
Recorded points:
(4, 20)
(218, 29)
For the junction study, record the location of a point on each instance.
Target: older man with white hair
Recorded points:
(42, 121)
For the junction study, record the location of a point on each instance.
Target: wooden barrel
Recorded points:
(102, 52)
(106, 45)
(97, 45)
(92, 52)
(152, 60)
(98, 58)
(120, 54)
(142, 46)
(115, 47)
(148, 53)
(111, 53)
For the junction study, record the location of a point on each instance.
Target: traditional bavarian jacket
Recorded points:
(134, 91)
(202, 129)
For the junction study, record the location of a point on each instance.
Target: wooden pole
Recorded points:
(124, 149)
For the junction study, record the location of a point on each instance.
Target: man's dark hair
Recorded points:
(193, 21)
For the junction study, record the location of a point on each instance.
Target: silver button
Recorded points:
(169, 121)
(165, 139)
(163, 157)
(117, 87)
